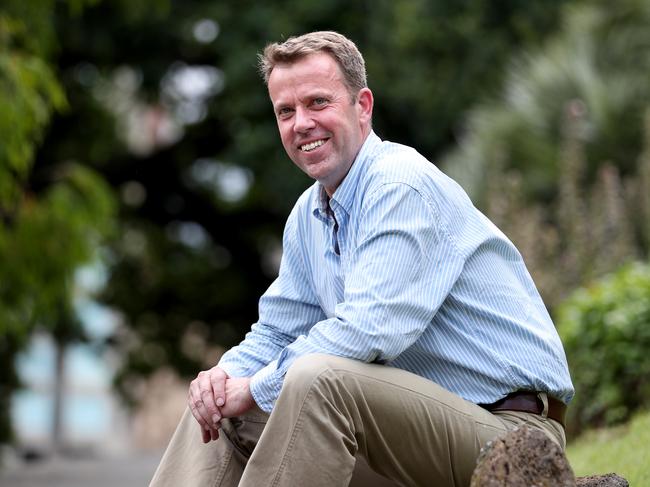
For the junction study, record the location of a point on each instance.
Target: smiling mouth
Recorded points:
(312, 145)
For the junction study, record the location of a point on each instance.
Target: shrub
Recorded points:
(605, 328)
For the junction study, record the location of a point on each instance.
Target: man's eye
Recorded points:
(284, 112)
(320, 101)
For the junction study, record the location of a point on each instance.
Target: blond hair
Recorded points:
(342, 49)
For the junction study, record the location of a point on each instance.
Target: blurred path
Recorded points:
(134, 470)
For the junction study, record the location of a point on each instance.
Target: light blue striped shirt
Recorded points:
(401, 269)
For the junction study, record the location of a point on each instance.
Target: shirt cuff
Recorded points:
(265, 386)
(233, 369)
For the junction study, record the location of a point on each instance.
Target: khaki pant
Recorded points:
(341, 422)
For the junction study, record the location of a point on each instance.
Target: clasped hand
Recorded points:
(214, 395)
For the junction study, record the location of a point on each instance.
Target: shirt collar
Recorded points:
(344, 194)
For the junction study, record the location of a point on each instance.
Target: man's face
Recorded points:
(322, 128)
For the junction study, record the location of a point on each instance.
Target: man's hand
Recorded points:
(206, 395)
(213, 395)
(238, 397)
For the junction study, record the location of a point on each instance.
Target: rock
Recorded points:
(524, 457)
(609, 480)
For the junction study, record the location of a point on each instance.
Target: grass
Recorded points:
(624, 450)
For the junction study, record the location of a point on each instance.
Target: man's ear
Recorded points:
(365, 102)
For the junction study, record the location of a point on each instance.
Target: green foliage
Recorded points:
(605, 328)
(49, 237)
(29, 92)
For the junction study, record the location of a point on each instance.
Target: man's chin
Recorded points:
(315, 170)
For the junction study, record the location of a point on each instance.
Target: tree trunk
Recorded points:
(58, 393)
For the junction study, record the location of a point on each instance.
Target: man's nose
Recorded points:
(303, 120)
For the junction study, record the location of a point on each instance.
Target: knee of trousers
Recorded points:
(312, 369)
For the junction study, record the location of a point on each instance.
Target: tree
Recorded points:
(50, 224)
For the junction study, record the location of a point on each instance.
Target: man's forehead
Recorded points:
(305, 77)
(319, 64)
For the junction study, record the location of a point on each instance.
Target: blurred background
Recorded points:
(143, 191)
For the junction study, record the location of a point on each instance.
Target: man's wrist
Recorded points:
(265, 387)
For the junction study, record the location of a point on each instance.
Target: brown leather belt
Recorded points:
(529, 402)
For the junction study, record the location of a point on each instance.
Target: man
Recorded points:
(403, 331)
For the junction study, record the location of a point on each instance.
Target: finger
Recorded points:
(205, 430)
(211, 413)
(218, 379)
(208, 432)
(197, 406)
(206, 435)
(194, 409)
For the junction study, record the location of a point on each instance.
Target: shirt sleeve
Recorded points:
(287, 309)
(401, 271)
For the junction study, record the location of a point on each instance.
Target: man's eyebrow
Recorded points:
(319, 94)
(279, 105)
(308, 97)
